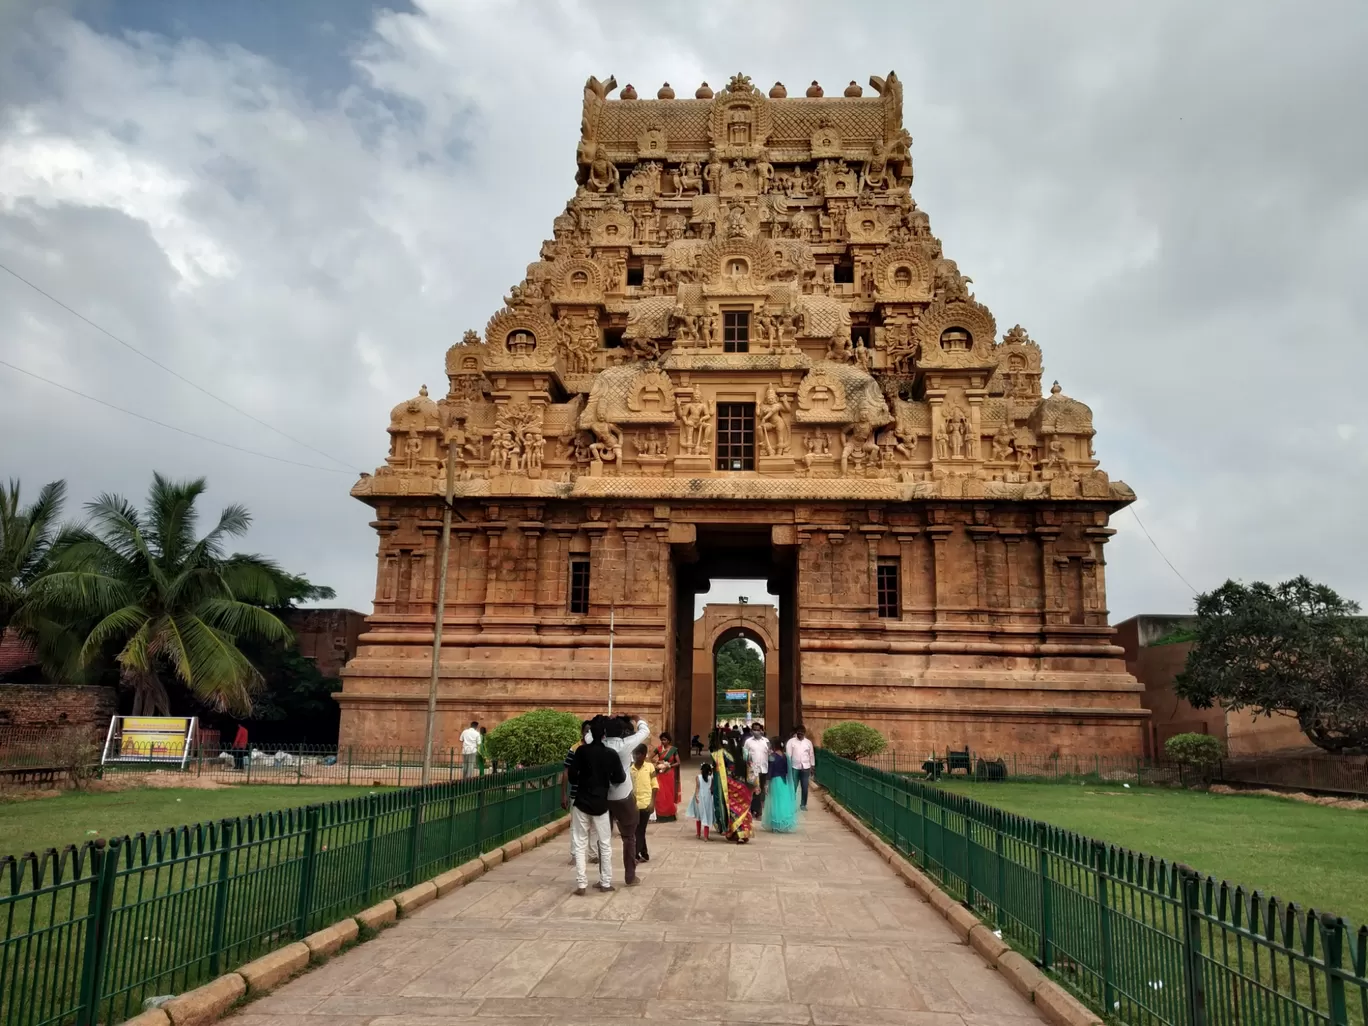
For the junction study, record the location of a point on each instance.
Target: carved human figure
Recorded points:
(1055, 458)
(876, 173)
(696, 426)
(1002, 444)
(736, 223)
(535, 445)
(1025, 462)
(413, 449)
(891, 441)
(603, 175)
(858, 444)
(764, 171)
(942, 443)
(774, 428)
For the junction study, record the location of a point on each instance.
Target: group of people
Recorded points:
(613, 779)
(749, 777)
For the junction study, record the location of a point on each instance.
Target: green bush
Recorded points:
(1200, 751)
(537, 738)
(853, 740)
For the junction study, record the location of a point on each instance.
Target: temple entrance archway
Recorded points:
(718, 553)
(720, 623)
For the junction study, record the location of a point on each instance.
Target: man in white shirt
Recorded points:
(757, 751)
(801, 759)
(623, 736)
(470, 749)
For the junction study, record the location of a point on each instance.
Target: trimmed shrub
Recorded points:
(537, 738)
(853, 740)
(1200, 751)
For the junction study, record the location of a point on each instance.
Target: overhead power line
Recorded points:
(170, 427)
(1159, 550)
(175, 374)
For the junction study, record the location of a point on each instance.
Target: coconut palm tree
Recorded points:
(169, 607)
(26, 537)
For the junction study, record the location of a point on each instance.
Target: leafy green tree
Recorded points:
(167, 606)
(852, 740)
(536, 738)
(739, 668)
(1296, 647)
(26, 537)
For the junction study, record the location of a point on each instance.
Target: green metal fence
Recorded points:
(86, 934)
(1144, 941)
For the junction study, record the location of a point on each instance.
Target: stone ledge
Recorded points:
(410, 901)
(1057, 1005)
(205, 1004)
(512, 850)
(151, 1017)
(492, 858)
(377, 916)
(330, 939)
(1062, 1008)
(271, 970)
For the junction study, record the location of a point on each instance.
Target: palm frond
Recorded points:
(243, 620)
(140, 652)
(172, 516)
(78, 594)
(127, 621)
(211, 665)
(256, 579)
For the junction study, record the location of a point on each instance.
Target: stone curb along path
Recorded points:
(212, 1001)
(1053, 1001)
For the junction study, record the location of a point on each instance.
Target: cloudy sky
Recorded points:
(298, 206)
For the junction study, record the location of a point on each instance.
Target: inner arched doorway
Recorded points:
(719, 624)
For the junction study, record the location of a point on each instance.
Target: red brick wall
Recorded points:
(327, 636)
(45, 706)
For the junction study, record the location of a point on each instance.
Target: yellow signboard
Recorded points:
(154, 737)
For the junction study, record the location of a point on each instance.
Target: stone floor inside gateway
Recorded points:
(807, 928)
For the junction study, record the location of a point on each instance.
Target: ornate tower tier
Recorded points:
(743, 353)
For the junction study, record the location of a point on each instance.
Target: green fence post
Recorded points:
(1100, 877)
(480, 818)
(1332, 937)
(218, 931)
(921, 827)
(999, 852)
(368, 856)
(415, 835)
(349, 764)
(1194, 986)
(968, 859)
(1043, 871)
(401, 766)
(248, 761)
(307, 871)
(104, 869)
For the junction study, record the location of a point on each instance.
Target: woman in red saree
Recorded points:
(666, 758)
(733, 797)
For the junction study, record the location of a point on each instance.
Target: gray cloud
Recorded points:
(1170, 197)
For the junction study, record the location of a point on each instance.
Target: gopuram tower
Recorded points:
(743, 353)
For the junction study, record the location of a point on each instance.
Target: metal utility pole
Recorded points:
(443, 561)
(611, 610)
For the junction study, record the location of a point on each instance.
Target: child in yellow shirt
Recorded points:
(644, 785)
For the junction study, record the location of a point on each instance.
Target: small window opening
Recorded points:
(736, 331)
(579, 585)
(888, 588)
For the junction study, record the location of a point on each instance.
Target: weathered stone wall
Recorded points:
(327, 636)
(1001, 641)
(52, 706)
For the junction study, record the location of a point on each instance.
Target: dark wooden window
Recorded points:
(844, 273)
(736, 331)
(888, 587)
(736, 436)
(579, 585)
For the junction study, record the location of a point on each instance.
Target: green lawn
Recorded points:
(1297, 851)
(72, 818)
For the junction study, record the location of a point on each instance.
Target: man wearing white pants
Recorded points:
(594, 770)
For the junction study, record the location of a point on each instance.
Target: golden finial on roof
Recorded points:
(628, 93)
(854, 89)
(704, 92)
(777, 91)
(814, 90)
(665, 92)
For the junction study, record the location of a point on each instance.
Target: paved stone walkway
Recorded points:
(798, 929)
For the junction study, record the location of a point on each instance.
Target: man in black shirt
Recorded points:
(594, 769)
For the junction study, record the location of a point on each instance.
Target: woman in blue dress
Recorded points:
(781, 796)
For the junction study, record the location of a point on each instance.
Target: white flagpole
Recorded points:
(611, 612)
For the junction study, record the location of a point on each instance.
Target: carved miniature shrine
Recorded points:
(744, 354)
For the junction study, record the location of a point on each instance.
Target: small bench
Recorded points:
(959, 761)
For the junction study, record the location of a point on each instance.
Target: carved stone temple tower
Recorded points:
(744, 354)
